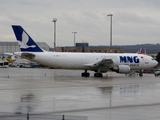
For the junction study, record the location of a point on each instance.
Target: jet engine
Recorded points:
(121, 69)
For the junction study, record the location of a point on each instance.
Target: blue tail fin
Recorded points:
(25, 42)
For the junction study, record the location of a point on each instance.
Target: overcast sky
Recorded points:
(134, 21)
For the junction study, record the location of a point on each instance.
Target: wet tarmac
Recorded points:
(65, 92)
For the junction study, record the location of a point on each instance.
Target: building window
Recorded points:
(95, 50)
(105, 51)
(71, 50)
(99, 51)
(91, 51)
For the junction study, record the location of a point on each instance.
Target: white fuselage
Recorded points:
(84, 61)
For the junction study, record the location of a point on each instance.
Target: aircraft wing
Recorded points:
(28, 55)
(104, 62)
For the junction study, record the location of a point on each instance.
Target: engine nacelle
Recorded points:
(121, 69)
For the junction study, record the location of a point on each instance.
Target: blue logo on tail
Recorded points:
(25, 42)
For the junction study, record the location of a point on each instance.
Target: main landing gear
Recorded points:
(98, 74)
(85, 74)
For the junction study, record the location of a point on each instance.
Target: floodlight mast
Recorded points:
(54, 28)
(74, 38)
(110, 29)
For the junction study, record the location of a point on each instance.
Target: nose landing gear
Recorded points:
(140, 73)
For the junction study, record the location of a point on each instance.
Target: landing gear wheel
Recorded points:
(95, 74)
(98, 75)
(85, 74)
(140, 74)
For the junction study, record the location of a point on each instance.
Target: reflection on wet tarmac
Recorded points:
(129, 90)
(47, 91)
(26, 104)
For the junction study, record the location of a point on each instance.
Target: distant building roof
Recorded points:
(43, 45)
(82, 44)
(8, 43)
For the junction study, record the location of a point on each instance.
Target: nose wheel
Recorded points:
(140, 73)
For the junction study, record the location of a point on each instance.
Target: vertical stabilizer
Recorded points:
(25, 42)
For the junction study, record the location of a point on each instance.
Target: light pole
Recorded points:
(74, 38)
(54, 27)
(110, 29)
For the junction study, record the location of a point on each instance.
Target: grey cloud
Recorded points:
(134, 21)
(134, 18)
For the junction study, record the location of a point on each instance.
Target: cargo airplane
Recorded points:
(98, 62)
